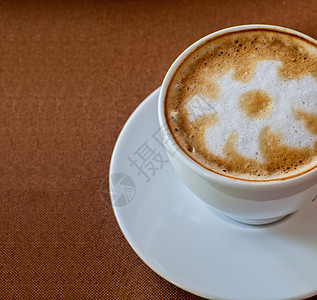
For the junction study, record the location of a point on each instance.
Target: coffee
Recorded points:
(244, 105)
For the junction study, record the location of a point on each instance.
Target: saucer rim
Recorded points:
(125, 232)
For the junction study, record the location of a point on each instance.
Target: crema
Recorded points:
(244, 105)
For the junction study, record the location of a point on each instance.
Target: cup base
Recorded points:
(256, 221)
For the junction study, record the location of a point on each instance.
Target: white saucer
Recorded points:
(194, 246)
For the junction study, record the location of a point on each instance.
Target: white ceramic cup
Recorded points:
(249, 202)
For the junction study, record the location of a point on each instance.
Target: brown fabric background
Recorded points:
(71, 73)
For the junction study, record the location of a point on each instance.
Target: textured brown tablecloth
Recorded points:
(71, 73)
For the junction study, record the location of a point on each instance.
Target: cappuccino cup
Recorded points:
(238, 117)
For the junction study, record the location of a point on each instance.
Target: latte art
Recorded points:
(245, 105)
(274, 102)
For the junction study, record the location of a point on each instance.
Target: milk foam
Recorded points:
(286, 95)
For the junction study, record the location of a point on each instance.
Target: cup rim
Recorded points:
(207, 173)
